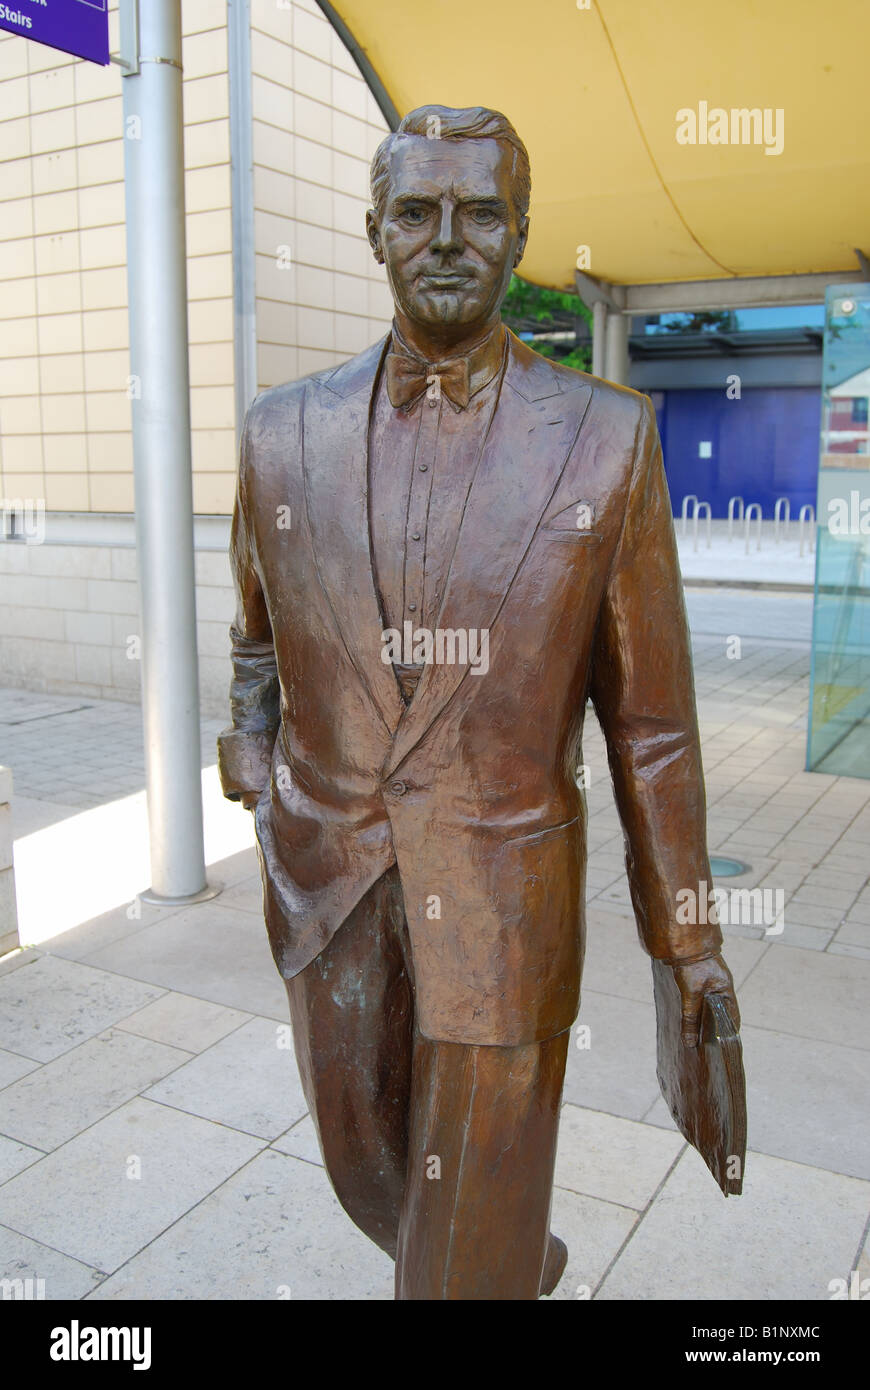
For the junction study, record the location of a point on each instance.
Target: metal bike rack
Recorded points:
(696, 512)
(782, 503)
(752, 511)
(731, 507)
(689, 497)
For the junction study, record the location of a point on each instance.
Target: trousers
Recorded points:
(441, 1152)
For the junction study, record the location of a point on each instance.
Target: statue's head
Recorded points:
(450, 190)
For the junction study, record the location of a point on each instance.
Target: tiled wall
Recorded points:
(320, 295)
(64, 411)
(69, 612)
(66, 610)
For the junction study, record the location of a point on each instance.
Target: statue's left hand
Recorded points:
(710, 976)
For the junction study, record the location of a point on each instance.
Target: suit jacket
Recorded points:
(471, 790)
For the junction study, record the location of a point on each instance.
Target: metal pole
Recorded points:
(242, 193)
(599, 323)
(160, 392)
(616, 348)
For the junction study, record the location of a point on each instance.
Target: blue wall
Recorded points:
(764, 446)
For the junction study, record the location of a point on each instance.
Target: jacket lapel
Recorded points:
(334, 460)
(535, 424)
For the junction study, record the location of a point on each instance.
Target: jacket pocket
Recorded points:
(536, 836)
(560, 533)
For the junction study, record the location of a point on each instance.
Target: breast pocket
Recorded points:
(574, 523)
(554, 533)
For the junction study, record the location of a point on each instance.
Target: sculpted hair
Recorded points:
(450, 123)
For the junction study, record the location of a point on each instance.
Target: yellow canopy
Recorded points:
(594, 92)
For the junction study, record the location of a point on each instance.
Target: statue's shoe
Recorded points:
(554, 1265)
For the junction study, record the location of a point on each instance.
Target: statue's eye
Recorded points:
(484, 217)
(415, 215)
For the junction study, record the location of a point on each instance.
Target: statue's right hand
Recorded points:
(249, 800)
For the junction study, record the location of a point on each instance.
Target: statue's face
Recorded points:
(449, 234)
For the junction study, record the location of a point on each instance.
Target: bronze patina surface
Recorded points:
(443, 548)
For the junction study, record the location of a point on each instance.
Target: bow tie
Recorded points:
(408, 379)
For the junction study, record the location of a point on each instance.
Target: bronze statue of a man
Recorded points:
(442, 549)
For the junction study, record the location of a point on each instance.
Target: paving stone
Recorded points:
(617, 1073)
(810, 994)
(122, 923)
(795, 1228)
(53, 1005)
(247, 1081)
(275, 1230)
(616, 963)
(81, 1201)
(50, 1105)
(300, 1141)
(52, 1275)
(861, 952)
(183, 1021)
(593, 1231)
(617, 1160)
(246, 896)
(208, 951)
(12, 1067)
(15, 1157)
(15, 959)
(803, 1100)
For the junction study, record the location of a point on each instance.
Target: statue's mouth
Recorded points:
(446, 281)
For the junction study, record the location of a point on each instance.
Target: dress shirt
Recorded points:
(422, 459)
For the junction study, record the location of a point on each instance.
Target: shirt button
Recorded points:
(398, 788)
(412, 607)
(424, 468)
(415, 535)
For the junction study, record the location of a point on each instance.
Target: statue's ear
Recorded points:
(521, 241)
(373, 232)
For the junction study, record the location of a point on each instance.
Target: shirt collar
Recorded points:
(484, 360)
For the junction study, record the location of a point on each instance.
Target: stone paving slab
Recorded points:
(613, 1159)
(300, 1141)
(794, 1229)
(81, 1201)
(209, 951)
(179, 1020)
(217, 1213)
(49, 1106)
(15, 1157)
(52, 1005)
(617, 1072)
(616, 963)
(275, 1230)
(62, 1277)
(594, 1232)
(810, 994)
(12, 1067)
(247, 1081)
(119, 924)
(802, 1101)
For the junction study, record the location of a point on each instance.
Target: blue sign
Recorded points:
(80, 27)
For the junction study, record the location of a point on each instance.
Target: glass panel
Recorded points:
(838, 739)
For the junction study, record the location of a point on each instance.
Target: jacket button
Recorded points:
(398, 788)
